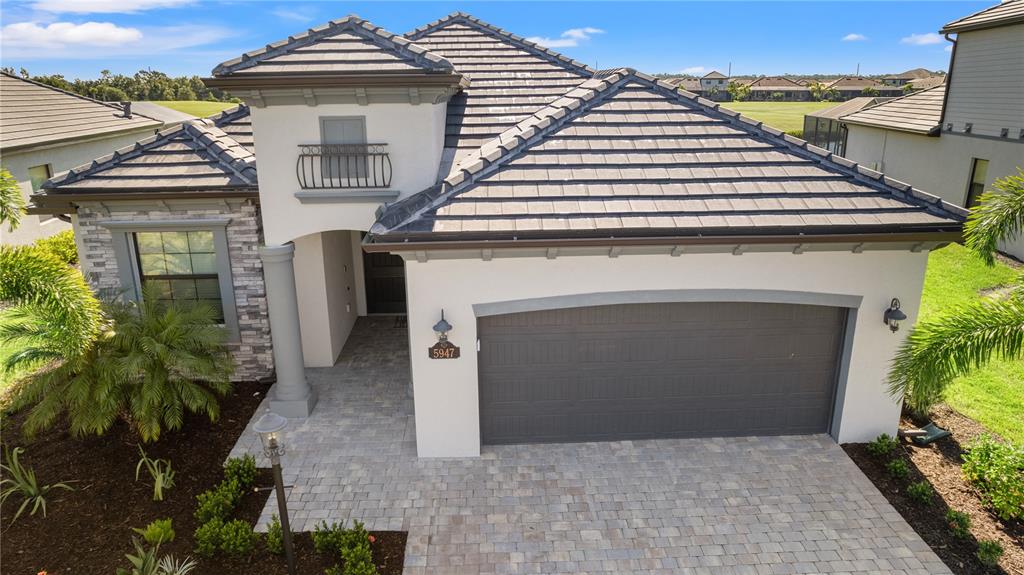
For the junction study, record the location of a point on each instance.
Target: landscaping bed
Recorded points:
(89, 530)
(939, 464)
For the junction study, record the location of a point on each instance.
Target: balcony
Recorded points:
(343, 166)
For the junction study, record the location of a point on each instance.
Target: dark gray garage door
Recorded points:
(658, 370)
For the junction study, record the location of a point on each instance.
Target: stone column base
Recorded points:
(292, 407)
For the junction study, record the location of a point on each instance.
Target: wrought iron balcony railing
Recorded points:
(339, 166)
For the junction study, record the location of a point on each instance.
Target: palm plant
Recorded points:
(939, 350)
(12, 204)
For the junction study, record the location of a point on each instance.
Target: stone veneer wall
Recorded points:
(253, 353)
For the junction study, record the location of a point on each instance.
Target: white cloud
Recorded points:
(948, 48)
(295, 13)
(854, 37)
(694, 70)
(570, 38)
(105, 6)
(36, 41)
(922, 39)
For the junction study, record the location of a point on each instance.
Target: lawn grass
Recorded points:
(6, 351)
(786, 116)
(195, 107)
(994, 395)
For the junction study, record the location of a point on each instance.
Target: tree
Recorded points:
(12, 204)
(738, 92)
(954, 344)
(908, 88)
(869, 91)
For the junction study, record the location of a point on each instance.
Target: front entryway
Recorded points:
(643, 371)
(385, 283)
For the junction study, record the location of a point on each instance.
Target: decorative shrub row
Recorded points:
(352, 546)
(216, 531)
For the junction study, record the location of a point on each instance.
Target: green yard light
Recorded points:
(269, 427)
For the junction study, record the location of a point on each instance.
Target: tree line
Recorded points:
(143, 85)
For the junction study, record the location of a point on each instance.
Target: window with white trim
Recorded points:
(181, 265)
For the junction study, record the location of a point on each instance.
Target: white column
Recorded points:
(292, 395)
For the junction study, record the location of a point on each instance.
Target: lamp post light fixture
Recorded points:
(893, 316)
(269, 427)
(442, 328)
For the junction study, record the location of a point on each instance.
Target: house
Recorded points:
(956, 138)
(778, 88)
(44, 131)
(907, 77)
(581, 255)
(714, 85)
(855, 86)
(824, 129)
(925, 83)
(688, 84)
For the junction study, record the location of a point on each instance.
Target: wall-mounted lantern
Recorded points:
(893, 316)
(443, 349)
(442, 328)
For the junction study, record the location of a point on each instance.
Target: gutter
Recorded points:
(406, 246)
(949, 81)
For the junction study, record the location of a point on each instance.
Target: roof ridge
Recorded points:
(1001, 4)
(110, 105)
(228, 152)
(230, 114)
(364, 28)
(578, 100)
(536, 49)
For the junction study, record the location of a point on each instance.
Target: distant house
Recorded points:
(925, 83)
(45, 131)
(907, 77)
(824, 128)
(688, 84)
(714, 85)
(854, 86)
(778, 88)
(954, 139)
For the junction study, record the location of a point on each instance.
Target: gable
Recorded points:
(625, 155)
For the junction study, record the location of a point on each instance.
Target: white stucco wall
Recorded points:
(446, 395)
(61, 159)
(414, 135)
(326, 291)
(938, 165)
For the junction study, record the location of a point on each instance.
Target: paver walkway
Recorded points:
(774, 505)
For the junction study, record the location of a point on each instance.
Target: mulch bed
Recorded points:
(88, 531)
(940, 463)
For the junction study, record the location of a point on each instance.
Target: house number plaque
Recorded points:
(443, 350)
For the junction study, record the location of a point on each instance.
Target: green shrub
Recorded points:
(22, 480)
(882, 446)
(275, 536)
(997, 470)
(356, 552)
(898, 468)
(157, 532)
(241, 470)
(959, 523)
(237, 538)
(146, 562)
(61, 245)
(159, 470)
(989, 552)
(329, 539)
(921, 492)
(208, 537)
(218, 503)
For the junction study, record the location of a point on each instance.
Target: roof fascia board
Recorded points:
(332, 80)
(71, 141)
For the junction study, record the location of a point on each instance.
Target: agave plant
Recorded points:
(147, 561)
(22, 480)
(160, 470)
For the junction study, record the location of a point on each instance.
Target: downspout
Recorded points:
(949, 83)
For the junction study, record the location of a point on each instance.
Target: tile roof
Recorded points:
(1003, 14)
(929, 82)
(34, 114)
(776, 83)
(848, 107)
(915, 74)
(350, 45)
(237, 123)
(509, 77)
(196, 155)
(857, 83)
(624, 154)
(688, 84)
(715, 75)
(919, 113)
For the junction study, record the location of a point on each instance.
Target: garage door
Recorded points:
(641, 371)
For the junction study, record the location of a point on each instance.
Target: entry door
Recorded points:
(644, 371)
(385, 283)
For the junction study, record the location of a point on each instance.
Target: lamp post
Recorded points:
(269, 428)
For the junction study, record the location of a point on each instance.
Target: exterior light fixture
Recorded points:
(893, 316)
(442, 328)
(443, 349)
(269, 427)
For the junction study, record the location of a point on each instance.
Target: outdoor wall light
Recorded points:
(893, 315)
(442, 328)
(269, 427)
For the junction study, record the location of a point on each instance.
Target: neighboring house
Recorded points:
(925, 83)
(824, 129)
(955, 139)
(689, 84)
(777, 88)
(580, 254)
(45, 131)
(854, 86)
(907, 77)
(715, 85)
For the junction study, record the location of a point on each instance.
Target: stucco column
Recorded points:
(292, 395)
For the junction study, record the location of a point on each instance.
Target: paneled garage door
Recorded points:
(639, 371)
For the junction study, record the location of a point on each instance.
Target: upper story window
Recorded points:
(182, 265)
(344, 138)
(344, 158)
(976, 187)
(38, 175)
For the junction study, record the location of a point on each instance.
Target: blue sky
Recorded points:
(78, 38)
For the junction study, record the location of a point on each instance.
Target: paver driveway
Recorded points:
(772, 505)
